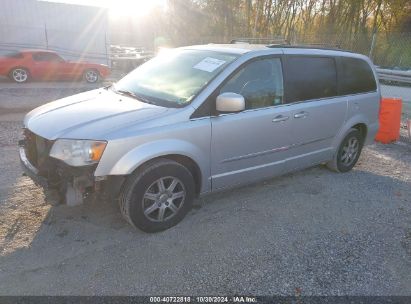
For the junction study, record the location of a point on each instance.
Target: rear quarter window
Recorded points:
(310, 77)
(355, 76)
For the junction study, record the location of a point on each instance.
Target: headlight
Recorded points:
(78, 152)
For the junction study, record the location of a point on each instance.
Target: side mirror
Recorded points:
(230, 102)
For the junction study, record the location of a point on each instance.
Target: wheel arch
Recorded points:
(184, 160)
(359, 122)
(91, 69)
(362, 127)
(19, 67)
(179, 151)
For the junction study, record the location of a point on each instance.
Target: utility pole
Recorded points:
(46, 37)
(374, 37)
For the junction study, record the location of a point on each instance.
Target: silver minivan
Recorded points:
(200, 119)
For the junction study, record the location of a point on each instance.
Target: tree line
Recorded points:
(379, 28)
(290, 19)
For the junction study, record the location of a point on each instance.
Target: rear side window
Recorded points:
(355, 77)
(46, 57)
(310, 77)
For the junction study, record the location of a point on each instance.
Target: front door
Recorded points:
(251, 145)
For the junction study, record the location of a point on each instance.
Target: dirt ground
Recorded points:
(314, 231)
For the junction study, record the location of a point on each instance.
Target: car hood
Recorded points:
(90, 115)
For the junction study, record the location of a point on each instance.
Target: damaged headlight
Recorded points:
(78, 152)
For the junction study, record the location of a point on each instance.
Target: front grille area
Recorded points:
(30, 146)
(37, 150)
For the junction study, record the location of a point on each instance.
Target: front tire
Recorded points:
(348, 152)
(91, 76)
(19, 75)
(157, 196)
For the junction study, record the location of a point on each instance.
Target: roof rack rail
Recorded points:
(274, 40)
(322, 46)
(281, 42)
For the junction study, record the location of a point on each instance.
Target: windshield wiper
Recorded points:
(127, 93)
(134, 95)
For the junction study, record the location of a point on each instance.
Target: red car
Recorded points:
(22, 65)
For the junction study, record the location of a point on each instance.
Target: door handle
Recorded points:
(301, 115)
(280, 118)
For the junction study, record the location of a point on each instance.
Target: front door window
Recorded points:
(260, 82)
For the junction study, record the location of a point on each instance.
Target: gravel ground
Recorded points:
(312, 232)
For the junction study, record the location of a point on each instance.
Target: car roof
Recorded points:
(236, 48)
(243, 48)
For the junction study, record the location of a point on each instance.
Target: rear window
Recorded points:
(309, 77)
(356, 76)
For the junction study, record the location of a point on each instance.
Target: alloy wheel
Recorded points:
(91, 76)
(350, 151)
(163, 199)
(20, 75)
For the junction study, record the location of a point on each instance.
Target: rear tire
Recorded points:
(157, 196)
(348, 152)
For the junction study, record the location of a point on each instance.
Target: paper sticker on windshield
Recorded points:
(209, 64)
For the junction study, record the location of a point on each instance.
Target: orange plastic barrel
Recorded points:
(390, 120)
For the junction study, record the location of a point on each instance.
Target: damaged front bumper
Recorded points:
(73, 184)
(29, 169)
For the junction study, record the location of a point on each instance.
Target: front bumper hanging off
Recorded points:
(72, 183)
(29, 169)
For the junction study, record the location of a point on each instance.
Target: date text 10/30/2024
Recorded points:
(204, 299)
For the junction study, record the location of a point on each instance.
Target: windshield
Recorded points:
(173, 78)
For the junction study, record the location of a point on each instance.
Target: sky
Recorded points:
(120, 8)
